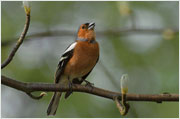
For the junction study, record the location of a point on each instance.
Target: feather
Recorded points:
(63, 61)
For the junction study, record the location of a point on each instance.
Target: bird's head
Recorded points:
(86, 31)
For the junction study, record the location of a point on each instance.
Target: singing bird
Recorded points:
(76, 63)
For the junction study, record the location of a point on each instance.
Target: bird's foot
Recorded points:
(70, 85)
(89, 83)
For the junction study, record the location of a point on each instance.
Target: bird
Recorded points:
(76, 63)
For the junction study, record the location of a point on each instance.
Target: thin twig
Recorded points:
(109, 75)
(122, 107)
(18, 44)
(36, 97)
(32, 87)
(118, 104)
(133, 19)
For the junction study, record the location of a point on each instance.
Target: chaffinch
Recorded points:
(76, 63)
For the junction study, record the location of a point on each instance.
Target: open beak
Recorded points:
(91, 26)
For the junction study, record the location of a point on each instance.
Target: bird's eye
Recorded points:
(83, 27)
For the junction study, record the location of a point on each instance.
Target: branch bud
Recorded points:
(168, 34)
(124, 8)
(124, 83)
(27, 8)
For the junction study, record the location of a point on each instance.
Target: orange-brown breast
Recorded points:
(84, 59)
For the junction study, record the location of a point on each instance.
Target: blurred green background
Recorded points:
(137, 38)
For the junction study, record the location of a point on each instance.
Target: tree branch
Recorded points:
(19, 42)
(100, 33)
(32, 87)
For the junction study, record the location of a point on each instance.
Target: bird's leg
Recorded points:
(70, 84)
(89, 83)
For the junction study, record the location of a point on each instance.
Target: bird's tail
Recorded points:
(53, 105)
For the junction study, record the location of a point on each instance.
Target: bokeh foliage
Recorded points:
(150, 59)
